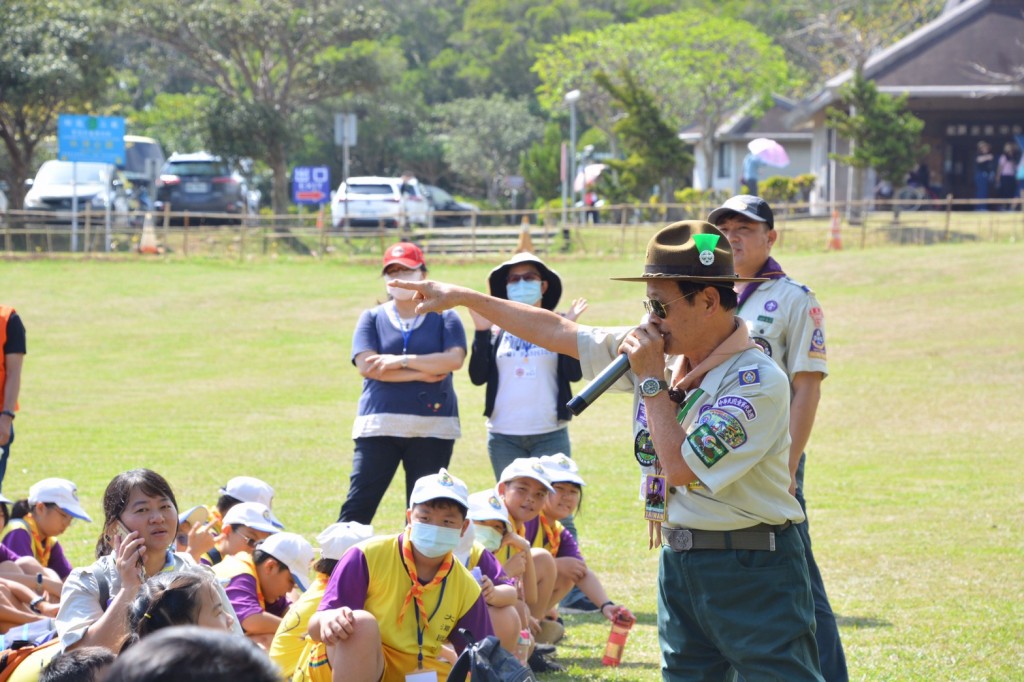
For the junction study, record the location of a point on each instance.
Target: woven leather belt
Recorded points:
(759, 537)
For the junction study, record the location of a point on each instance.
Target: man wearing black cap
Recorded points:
(711, 416)
(786, 320)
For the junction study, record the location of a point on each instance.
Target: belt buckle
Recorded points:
(680, 539)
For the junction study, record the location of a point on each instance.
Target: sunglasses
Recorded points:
(661, 309)
(251, 542)
(528, 277)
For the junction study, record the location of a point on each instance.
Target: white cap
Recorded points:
(249, 489)
(560, 468)
(197, 514)
(526, 467)
(487, 506)
(61, 492)
(438, 486)
(292, 550)
(253, 515)
(338, 537)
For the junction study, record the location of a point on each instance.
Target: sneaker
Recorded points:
(550, 631)
(576, 602)
(539, 664)
(545, 649)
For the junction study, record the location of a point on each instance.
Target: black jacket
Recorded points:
(484, 369)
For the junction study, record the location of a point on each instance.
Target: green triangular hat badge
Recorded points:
(706, 244)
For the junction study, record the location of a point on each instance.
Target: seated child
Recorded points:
(51, 506)
(189, 653)
(524, 488)
(392, 602)
(177, 598)
(257, 584)
(86, 664)
(242, 489)
(547, 531)
(196, 534)
(476, 550)
(243, 526)
(300, 658)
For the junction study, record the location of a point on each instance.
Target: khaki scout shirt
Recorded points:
(786, 320)
(737, 440)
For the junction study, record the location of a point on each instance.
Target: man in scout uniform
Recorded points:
(12, 340)
(258, 582)
(786, 320)
(711, 412)
(393, 601)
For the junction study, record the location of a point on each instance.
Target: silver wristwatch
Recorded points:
(652, 386)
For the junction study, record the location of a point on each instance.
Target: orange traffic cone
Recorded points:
(835, 241)
(320, 219)
(525, 242)
(147, 244)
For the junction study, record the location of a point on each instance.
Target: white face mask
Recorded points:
(404, 276)
(488, 537)
(465, 545)
(434, 541)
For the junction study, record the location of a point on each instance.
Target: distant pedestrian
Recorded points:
(751, 166)
(1007, 174)
(984, 172)
(12, 338)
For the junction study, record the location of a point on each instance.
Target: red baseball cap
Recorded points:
(403, 253)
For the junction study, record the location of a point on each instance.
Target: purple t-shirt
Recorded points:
(6, 554)
(491, 567)
(241, 591)
(350, 582)
(19, 541)
(566, 546)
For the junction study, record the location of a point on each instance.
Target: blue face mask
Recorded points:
(488, 537)
(525, 291)
(434, 541)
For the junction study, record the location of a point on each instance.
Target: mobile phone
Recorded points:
(121, 529)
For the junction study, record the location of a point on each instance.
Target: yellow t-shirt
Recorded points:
(292, 649)
(388, 582)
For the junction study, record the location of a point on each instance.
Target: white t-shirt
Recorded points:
(527, 389)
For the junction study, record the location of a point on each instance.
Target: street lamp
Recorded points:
(571, 98)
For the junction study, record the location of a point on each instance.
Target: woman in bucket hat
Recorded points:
(527, 385)
(711, 425)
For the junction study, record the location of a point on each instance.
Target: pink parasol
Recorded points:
(587, 175)
(769, 151)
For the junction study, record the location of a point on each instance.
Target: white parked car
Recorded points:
(369, 201)
(96, 184)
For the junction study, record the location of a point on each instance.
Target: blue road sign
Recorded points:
(98, 139)
(311, 184)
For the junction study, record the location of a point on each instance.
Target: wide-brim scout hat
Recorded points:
(499, 275)
(691, 250)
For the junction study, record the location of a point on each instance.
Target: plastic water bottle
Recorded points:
(617, 640)
(523, 647)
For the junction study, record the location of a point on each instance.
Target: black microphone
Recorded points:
(601, 383)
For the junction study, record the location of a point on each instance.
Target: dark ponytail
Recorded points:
(20, 509)
(164, 600)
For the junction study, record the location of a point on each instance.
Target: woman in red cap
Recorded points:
(408, 413)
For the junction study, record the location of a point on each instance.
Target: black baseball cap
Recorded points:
(748, 205)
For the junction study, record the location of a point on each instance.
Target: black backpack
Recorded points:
(486, 661)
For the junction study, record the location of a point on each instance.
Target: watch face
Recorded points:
(650, 387)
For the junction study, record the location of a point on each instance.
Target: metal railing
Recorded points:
(618, 229)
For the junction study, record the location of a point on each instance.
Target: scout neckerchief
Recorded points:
(771, 269)
(554, 538)
(41, 547)
(417, 590)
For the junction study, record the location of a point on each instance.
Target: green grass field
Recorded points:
(206, 369)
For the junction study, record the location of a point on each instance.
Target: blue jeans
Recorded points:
(748, 609)
(5, 451)
(375, 462)
(830, 647)
(503, 449)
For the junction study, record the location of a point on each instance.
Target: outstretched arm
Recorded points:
(536, 325)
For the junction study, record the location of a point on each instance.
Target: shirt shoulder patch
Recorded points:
(706, 445)
(749, 376)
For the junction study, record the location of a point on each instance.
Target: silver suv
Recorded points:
(370, 201)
